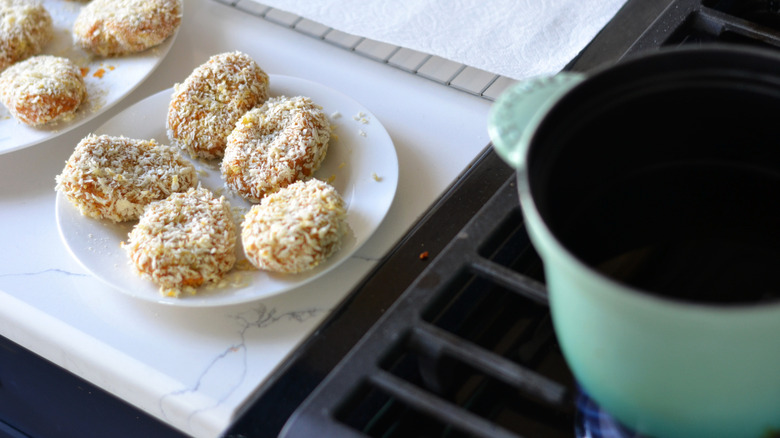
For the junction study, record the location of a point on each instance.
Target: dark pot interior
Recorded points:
(665, 160)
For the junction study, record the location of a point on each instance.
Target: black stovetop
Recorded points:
(449, 336)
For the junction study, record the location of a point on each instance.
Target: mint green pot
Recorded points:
(664, 368)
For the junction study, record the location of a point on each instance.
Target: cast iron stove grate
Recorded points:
(465, 350)
(462, 345)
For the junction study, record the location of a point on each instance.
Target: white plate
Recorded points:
(361, 164)
(108, 80)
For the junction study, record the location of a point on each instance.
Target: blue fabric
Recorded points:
(592, 422)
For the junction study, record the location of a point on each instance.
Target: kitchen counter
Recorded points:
(194, 368)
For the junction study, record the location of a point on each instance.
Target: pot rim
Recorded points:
(709, 58)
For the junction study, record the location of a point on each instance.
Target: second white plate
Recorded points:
(108, 80)
(361, 164)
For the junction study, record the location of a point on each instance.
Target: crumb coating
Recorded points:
(42, 89)
(116, 177)
(205, 107)
(120, 27)
(184, 241)
(283, 141)
(25, 27)
(296, 228)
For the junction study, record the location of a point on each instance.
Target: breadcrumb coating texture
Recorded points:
(25, 27)
(120, 27)
(42, 89)
(296, 228)
(282, 141)
(184, 241)
(114, 178)
(205, 107)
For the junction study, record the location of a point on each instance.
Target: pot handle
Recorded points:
(519, 110)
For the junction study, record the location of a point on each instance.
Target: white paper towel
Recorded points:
(513, 38)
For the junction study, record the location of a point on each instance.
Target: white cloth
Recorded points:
(513, 38)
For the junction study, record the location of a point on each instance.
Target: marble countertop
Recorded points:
(194, 368)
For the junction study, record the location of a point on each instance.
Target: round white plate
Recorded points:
(108, 80)
(361, 164)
